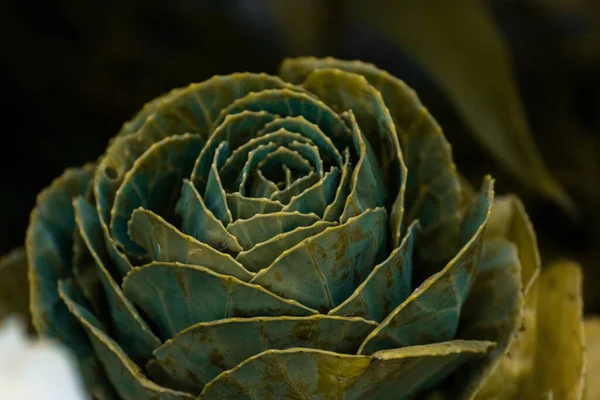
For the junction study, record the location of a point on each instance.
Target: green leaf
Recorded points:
(246, 207)
(323, 270)
(176, 296)
(318, 197)
(48, 245)
(296, 188)
(14, 285)
(200, 223)
(433, 193)
(431, 313)
(239, 156)
(560, 365)
(457, 43)
(216, 198)
(307, 129)
(592, 353)
(286, 102)
(509, 221)
(236, 129)
(262, 227)
(264, 253)
(317, 374)
(367, 187)
(493, 311)
(165, 243)
(221, 345)
(388, 284)
(152, 183)
(131, 331)
(348, 91)
(127, 378)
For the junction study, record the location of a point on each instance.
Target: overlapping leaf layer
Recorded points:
(303, 236)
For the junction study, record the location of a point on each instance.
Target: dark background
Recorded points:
(73, 71)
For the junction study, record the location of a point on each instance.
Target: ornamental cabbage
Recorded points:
(305, 236)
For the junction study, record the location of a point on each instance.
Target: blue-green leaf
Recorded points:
(431, 313)
(196, 108)
(236, 130)
(318, 197)
(297, 187)
(264, 253)
(433, 194)
(48, 244)
(176, 296)
(131, 331)
(367, 188)
(239, 156)
(214, 195)
(323, 270)
(285, 102)
(165, 243)
(493, 311)
(221, 345)
(334, 210)
(386, 287)
(152, 182)
(127, 378)
(262, 227)
(316, 374)
(245, 207)
(307, 129)
(200, 223)
(349, 91)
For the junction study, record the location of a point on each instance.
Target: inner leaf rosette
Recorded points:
(252, 236)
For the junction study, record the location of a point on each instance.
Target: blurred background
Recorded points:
(514, 84)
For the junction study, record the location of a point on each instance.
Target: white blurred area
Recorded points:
(35, 369)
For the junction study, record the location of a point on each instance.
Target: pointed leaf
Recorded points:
(308, 130)
(165, 243)
(317, 198)
(431, 313)
(262, 227)
(200, 223)
(493, 311)
(151, 183)
(176, 296)
(127, 378)
(323, 270)
(261, 187)
(285, 102)
(131, 331)
(334, 210)
(245, 207)
(221, 345)
(388, 284)
(254, 158)
(214, 195)
(318, 374)
(264, 253)
(297, 187)
(367, 188)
